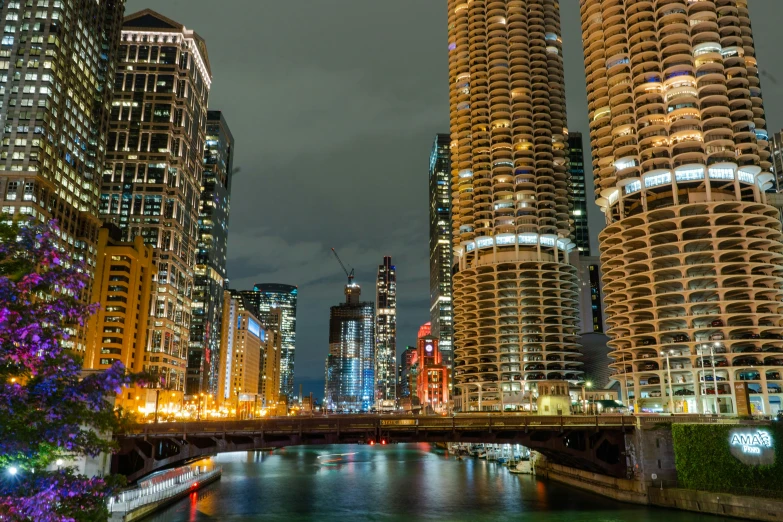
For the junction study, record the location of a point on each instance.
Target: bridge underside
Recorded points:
(587, 448)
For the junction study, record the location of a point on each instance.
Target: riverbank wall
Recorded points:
(635, 492)
(653, 481)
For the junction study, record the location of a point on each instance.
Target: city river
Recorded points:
(406, 482)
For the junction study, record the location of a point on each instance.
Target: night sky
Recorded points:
(334, 105)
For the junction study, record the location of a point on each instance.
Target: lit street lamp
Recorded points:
(587, 384)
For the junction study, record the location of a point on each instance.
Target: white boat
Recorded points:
(523, 467)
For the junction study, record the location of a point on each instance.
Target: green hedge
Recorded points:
(704, 462)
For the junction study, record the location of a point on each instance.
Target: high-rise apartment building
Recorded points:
(350, 365)
(441, 254)
(210, 271)
(691, 254)
(154, 163)
(265, 297)
(56, 83)
(515, 291)
(385, 332)
(118, 330)
(576, 171)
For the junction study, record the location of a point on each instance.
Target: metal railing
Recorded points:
(133, 499)
(392, 423)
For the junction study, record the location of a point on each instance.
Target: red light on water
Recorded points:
(372, 443)
(383, 442)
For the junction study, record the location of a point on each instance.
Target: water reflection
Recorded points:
(391, 483)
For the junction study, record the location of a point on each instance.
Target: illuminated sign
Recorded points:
(752, 447)
(253, 327)
(752, 442)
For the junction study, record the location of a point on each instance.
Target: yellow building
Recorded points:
(240, 354)
(270, 374)
(117, 332)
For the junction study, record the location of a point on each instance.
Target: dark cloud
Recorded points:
(334, 105)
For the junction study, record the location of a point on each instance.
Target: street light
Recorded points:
(669, 373)
(587, 384)
(12, 470)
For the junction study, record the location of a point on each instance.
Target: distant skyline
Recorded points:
(334, 106)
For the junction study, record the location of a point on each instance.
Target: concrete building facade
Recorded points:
(692, 254)
(241, 356)
(117, 331)
(515, 289)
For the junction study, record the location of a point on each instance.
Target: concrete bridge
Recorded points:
(596, 444)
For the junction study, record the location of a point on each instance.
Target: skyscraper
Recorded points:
(240, 363)
(263, 298)
(152, 180)
(269, 383)
(407, 359)
(210, 272)
(385, 332)
(692, 265)
(350, 365)
(441, 255)
(576, 170)
(56, 83)
(515, 291)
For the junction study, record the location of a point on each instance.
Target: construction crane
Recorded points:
(350, 275)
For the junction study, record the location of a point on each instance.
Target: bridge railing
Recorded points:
(289, 425)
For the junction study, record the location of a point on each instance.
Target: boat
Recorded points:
(523, 467)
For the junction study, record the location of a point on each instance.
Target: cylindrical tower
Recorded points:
(515, 292)
(691, 255)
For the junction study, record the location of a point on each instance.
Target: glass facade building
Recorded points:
(441, 255)
(407, 360)
(350, 365)
(263, 298)
(576, 169)
(386, 332)
(152, 178)
(56, 84)
(210, 271)
(692, 253)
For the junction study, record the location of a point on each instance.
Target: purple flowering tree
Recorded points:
(48, 410)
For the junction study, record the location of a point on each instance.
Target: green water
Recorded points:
(405, 482)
